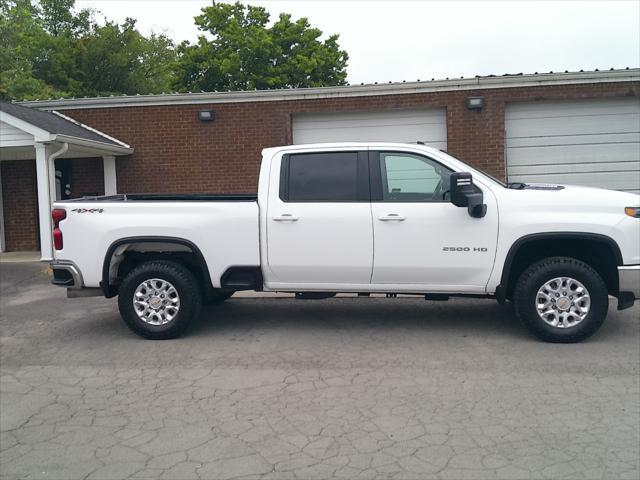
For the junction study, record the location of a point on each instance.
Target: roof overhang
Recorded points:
(461, 84)
(43, 136)
(39, 135)
(107, 148)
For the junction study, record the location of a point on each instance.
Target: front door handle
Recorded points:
(285, 217)
(392, 217)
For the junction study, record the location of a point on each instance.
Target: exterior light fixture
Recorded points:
(475, 103)
(206, 116)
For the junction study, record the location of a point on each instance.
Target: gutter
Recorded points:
(109, 148)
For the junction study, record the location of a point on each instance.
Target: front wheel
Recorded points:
(159, 299)
(561, 300)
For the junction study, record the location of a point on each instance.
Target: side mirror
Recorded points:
(465, 194)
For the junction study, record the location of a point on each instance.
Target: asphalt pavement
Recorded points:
(283, 389)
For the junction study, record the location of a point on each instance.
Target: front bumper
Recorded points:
(66, 274)
(628, 285)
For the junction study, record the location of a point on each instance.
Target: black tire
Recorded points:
(543, 271)
(218, 295)
(185, 284)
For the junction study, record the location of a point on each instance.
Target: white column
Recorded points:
(45, 177)
(110, 179)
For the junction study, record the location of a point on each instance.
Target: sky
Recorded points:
(410, 40)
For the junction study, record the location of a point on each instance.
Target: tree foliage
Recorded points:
(116, 59)
(241, 51)
(23, 38)
(59, 18)
(51, 49)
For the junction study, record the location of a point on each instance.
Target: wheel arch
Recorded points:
(165, 245)
(533, 247)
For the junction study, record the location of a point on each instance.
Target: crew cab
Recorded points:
(359, 218)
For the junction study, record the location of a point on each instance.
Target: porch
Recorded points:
(44, 157)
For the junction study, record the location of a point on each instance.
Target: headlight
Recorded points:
(632, 211)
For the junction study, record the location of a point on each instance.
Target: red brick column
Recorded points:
(19, 199)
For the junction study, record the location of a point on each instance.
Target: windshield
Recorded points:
(480, 172)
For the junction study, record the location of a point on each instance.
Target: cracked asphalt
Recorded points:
(289, 389)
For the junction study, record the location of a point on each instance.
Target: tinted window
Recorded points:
(323, 177)
(412, 178)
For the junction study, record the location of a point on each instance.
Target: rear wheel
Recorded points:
(159, 299)
(561, 300)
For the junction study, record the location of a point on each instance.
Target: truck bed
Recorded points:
(171, 197)
(224, 228)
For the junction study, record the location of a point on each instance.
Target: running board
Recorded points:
(314, 295)
(436, 297)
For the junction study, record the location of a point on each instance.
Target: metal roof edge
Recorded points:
(91, 129)
(109, 147)
(461, 84)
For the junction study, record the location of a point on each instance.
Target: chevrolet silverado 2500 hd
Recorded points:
(360, 218)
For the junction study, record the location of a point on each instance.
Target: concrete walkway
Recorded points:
(15, 257)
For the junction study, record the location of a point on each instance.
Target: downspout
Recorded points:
(63, 149)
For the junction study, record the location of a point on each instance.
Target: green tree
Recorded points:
(51, 50)
(22, 37)
(118, 59)
(55, 61)
(242, 52)
(59, 18)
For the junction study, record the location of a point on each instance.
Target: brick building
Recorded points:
(580, 127)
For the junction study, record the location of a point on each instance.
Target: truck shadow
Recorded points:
(348, 317)
(470, 316)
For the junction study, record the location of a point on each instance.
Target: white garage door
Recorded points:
(587, 142)
(407, 126)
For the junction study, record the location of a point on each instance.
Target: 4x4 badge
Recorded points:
(87, 210)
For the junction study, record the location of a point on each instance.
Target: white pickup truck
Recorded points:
(359, 218)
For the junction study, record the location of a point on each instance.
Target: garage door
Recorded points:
(587, 142)
(425, 125)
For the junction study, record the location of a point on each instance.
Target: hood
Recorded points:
(589, 197)
(602, 194)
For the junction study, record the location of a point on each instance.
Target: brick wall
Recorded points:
(19, 199)
(174, 152)
(87, 177)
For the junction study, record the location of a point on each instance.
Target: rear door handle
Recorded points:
(392, 217)
(285, 217)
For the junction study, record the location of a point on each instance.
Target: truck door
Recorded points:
(420, 237)
(318, 222)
